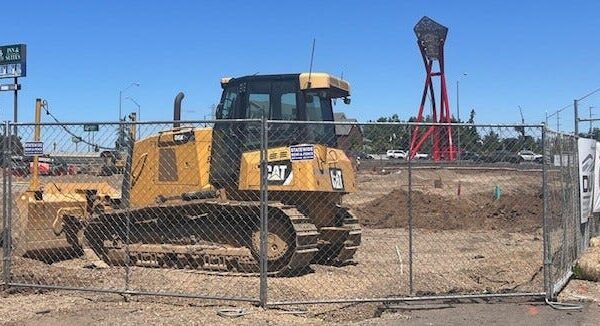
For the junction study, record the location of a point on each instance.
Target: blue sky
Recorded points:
(81, 53)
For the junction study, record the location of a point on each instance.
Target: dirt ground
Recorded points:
(451, 200)
(76, 308)
(464, 241)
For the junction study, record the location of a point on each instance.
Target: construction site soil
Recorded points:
(443, 199)
(511, 213)
(464, 244)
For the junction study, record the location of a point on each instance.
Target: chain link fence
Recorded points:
(467, 226)
(567, 235)
(284, 212)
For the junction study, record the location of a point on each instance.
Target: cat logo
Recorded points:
(280, 173)
(337, 181)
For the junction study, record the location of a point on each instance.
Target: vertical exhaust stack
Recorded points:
(177, 109)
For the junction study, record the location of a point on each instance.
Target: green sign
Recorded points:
(90, 127)
(13, 61)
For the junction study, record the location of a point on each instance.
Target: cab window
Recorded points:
(257, 105)
(289, 110)
(225, 110)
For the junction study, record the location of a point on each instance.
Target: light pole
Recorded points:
(121, 97)
(120, 138)
(139, 112)
(139, 107)
(458, 114)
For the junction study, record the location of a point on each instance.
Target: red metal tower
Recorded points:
(430, 38)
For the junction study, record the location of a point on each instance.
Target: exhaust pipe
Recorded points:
(177, 109)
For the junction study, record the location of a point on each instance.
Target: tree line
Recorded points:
(378, 138)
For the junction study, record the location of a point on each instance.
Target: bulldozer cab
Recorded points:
(289, 97)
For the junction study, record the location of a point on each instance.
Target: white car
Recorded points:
(529, 156)
(421, 156)
(396, 153)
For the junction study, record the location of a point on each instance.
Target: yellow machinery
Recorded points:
(47, 217)
(190, 196)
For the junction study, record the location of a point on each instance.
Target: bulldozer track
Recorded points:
(353, 238)
(107, 235)
(341, 248)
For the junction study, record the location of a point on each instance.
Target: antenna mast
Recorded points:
(312, 55)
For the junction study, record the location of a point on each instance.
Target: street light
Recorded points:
(121, 97)
(139, 107)
(458, 113)
(120, 138)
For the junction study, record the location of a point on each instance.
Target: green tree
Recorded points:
(491, 142)
(470, 140)
(383, 137)
(16, 146)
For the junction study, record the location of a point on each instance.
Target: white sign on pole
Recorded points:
(586, 148)
(597, 180)
(33, 148)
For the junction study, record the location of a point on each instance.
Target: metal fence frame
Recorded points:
(550, 286)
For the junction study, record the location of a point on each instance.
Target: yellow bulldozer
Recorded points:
(190, 196)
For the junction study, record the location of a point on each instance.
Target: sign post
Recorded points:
(13, 64)
(91, 129)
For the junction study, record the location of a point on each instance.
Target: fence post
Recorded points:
(546, 236)
(264, 205)
(5, 230)
(410, 218)
(8, 221)
(125, 195)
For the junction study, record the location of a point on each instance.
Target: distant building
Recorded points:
(349, 137)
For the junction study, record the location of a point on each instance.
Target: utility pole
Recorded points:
(15, 107)
(458, 115)
(576, 117)
(591, 107)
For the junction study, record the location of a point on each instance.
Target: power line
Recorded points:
(570, 105)
(589, 94)
(46, 108)
(560, 110)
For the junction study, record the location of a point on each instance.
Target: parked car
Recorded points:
(421, 156)
(540, 159)
(396, 153)
(470, 156)
(501, 156)
(19, 166)
(52, 166)
(360, 155)
(529, 156)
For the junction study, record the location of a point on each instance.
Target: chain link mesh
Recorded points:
(564, 233)
(350, 215)
(116, 213)
(471, 225)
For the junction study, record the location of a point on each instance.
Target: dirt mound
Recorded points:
(512, 212)
(588, 267)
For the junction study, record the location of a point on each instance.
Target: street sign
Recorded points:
(13, 61)
(10, 87)
(90, 127)
(76, 139)
(32, 148)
